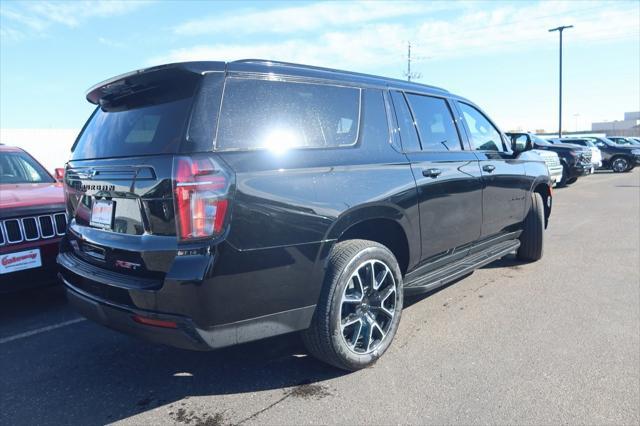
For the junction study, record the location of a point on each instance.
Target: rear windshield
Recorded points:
(18, 167)
(145, 120)
(141, 131)
(280, 115)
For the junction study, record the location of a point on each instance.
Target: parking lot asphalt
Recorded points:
(557, 341)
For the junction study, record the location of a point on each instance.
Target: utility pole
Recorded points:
(560, 30)
(408, 73)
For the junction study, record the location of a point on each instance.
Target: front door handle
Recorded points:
(488, 168)
(432, 173)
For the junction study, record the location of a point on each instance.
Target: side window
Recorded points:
(484, 137)
(375, 129)
(408, 134)
(435, 123)
(280, 115)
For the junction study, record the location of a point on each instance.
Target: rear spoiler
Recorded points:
(135, 80)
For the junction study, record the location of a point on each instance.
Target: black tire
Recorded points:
(572, 180)
(565, 176)
(325, 338)
(532, 237)
(620, 164)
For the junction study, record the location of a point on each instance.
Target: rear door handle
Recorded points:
(432, 173)
(488, 168)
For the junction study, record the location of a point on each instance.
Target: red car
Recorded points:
(32, 220)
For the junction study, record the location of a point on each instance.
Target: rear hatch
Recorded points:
(135, 188)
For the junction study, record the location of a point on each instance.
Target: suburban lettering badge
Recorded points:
(79, 186)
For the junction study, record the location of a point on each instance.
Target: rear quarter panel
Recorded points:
(290, 207)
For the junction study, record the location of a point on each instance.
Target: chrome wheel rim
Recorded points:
(620, 165)
(368, 306)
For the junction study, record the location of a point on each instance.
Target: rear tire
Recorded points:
(532, 237)
(572, 180)
(353, 324)
(619, 165)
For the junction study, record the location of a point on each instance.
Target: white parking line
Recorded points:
(40, 330)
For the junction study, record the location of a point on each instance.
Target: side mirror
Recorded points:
(59, 174)
(521, 144)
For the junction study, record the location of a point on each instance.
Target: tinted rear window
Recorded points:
(280, 115)
(148, 130)
(142, 119)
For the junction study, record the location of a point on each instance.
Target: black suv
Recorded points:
(576, 160)
(216, 203)
(616, 157)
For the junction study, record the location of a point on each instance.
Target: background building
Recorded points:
(630, 126)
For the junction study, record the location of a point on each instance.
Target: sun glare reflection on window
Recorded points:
(280, 140)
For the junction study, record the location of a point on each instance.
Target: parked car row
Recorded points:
(618, 154)
(615, 153)
(575, 161)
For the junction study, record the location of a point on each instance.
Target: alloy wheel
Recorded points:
(368, 306)
(619, 165)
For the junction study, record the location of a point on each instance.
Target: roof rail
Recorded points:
(314, 67)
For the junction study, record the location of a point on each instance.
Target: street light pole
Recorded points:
(560, 30)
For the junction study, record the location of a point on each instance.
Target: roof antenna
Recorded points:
(410, 75)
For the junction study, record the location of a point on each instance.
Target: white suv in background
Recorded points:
(553, 163)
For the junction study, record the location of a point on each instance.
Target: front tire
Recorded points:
(360, 306)
(532, 237)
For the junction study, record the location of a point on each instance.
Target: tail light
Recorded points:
(201, 189)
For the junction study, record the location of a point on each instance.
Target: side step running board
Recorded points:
(460, 268)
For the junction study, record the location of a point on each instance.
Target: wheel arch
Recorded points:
(544, 189)
(384, 224)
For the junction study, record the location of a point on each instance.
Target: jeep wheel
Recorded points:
(532, 237)
(572, 180)
(359, 308)
(619, 165)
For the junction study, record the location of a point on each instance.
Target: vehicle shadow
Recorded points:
(31, 299)
(101, 376)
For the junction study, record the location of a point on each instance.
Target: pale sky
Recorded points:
(498, 54)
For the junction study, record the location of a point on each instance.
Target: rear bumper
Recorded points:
(555, 173)
(120, 318)
(114, 300)
(185, 334)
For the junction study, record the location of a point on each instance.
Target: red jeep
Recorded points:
(32, 220)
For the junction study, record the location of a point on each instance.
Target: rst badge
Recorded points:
(127, 265)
